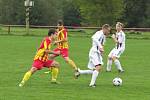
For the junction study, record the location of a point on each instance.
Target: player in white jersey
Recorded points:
(115, 53)
(95, 54)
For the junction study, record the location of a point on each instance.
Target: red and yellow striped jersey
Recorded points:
(45, 45)
(61, 35)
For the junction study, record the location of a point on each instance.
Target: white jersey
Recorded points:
(95, 57)
(98, 40)
(121, 40)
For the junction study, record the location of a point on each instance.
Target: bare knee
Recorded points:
(33, 70)
(55, 64)
(114, 58)
(98, 68)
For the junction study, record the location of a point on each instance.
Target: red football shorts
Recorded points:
(40, 64)
(63, 52)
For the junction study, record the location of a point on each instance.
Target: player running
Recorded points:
(115, 53)
(62, 46)
(41, 59)
(95, 54)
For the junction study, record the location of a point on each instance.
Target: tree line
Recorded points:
(134, 13)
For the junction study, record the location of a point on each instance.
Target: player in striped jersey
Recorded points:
(41, 59)
(114, 55)
(62, 46)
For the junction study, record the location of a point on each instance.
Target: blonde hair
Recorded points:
(120, 24)
(106, 26)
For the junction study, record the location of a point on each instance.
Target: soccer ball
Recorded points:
(117, 81)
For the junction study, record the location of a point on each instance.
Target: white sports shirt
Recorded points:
(121, 40)
(98, 41)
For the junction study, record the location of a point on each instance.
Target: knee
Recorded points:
(114, 58)
(98, 68)
(109, 58)
(33, 70)
(67, 60)
(56, 64)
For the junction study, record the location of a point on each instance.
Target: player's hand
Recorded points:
(113, 36)
(57, 52)
(55, 43)
(101, 50)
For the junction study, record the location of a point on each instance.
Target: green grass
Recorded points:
(16, 57)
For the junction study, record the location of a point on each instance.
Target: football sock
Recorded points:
(109, 64)
(73, 65)
(55, 72)
(94, 77)
(85, 71)
(118, 65)
(27, 76)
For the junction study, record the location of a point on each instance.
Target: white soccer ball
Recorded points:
(117, 81)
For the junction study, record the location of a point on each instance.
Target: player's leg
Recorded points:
(54, 68)
(115, 58)
(109, 64)
(27, 76)
(95, 75)
(55, 71)
(90, 71)
(109, 61)
(96, 59)
(37, 65)
(117, 64)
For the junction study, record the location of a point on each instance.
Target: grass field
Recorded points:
(16, 56)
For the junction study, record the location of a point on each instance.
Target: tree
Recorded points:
(98, 12)
(71, 13)
(134, 12)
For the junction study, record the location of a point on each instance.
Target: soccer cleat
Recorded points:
(47, 72)
(21, 84)
(77, 73)
(108, 70)
(120, 71)
(92, 85)
(55, 82)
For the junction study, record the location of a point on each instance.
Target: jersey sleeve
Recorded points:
(46, 44)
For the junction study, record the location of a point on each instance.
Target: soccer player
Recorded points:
(41, 59)
(95, 54)
(62, 46)
(115, 53)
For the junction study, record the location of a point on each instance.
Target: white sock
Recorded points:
(85, 71)
(118, 65)
(109, 63)
(94, 77)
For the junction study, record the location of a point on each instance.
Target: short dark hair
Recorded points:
(51, 31)
(106, 26)
(60, 22)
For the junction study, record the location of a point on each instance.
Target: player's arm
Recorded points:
(114, 38)
(64, 39)
(52, 52)
(47, 50)
(100, 46)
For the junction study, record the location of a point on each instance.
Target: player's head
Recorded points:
(60, 24)
(52, 33)
(106, 29)
(119, 26)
